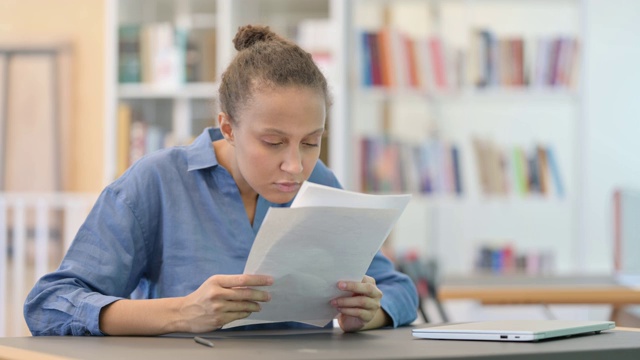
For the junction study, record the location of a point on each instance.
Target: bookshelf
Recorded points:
(165, 76)
(491, 79)
(169, 55)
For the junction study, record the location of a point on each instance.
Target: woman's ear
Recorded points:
(224, 122)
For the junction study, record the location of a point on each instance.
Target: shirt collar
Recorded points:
(200, 154)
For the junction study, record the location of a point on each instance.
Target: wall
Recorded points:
(611, 121)
(82, 23)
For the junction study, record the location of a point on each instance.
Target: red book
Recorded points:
(438, 62)
(617, 230)
(517, 48)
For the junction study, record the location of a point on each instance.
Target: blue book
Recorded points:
(365, 39)
(555, 172)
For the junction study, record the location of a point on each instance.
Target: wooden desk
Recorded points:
(491, 290)
(322, 344)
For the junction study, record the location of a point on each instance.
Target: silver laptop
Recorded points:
(512, 330)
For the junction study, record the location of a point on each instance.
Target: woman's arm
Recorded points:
(220, 300)
(103, 264)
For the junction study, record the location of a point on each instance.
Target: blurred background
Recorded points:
(514, 124)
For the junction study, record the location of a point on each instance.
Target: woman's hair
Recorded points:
(265, 60)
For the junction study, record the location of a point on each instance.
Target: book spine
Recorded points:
(129, 63)
(617, 230)
(366, 63)
(555, 172)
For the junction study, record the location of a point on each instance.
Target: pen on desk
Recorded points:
(203, 341)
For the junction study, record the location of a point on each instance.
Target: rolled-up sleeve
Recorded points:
(102, 265)
(400, 297)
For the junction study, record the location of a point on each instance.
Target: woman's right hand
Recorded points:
(222, 299)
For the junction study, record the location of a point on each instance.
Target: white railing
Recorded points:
(35, 231)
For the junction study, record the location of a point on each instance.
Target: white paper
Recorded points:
(326, 236)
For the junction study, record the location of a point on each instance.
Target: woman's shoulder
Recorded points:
(155, 168)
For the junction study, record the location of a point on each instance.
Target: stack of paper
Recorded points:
(326, 236)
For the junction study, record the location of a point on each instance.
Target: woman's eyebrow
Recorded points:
(284, 133)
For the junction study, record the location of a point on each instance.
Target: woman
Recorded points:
(162, 248)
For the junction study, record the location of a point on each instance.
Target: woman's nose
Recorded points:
(292, 162)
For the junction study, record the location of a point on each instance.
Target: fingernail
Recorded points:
(334, 303)
(342, 285)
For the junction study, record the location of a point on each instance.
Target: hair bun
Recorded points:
(249, 35)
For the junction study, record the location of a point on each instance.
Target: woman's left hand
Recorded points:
(363, 306)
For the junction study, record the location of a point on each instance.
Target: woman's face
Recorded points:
(276, 139)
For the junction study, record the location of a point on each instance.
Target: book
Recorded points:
(200, 55)
(129, 65)
(390, 58)
(554, 169)
(123, 139)
(160, 55)
(438, 62)
(366, 66)
(376, 63)
(457, 171)
(543, 170)
(385, 56)
(521, 170)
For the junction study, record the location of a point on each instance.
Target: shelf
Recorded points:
(510, 200)
(183, 91)
(489, 94)
(495, 201)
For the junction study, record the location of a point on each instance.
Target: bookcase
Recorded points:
(474, 107)
(169, 55)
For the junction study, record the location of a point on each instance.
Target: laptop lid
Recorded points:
(512, 330)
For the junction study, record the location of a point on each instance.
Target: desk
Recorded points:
(507, 289)
(322, 344)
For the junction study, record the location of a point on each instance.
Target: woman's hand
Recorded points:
(361, 310)
(222, 299)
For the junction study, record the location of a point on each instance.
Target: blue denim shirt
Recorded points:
(174, 219)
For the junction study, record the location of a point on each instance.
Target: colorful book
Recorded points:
(129, 65)
(555, 172)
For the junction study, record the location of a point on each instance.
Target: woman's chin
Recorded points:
(279, 198)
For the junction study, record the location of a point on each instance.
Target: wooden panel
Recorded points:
(2, 120)
(81, 24)
(31, 157)
(10, 353)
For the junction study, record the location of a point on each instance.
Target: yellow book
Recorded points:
(124, 126)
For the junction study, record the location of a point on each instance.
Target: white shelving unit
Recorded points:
(147, 91)
(173, 106)
(449, 227)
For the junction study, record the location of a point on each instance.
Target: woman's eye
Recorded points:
(273, 143)
(310, 145)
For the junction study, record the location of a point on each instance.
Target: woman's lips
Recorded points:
(288, 186)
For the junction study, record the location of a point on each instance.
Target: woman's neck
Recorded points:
(225, 154)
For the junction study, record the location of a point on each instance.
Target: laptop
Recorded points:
(512, 330)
